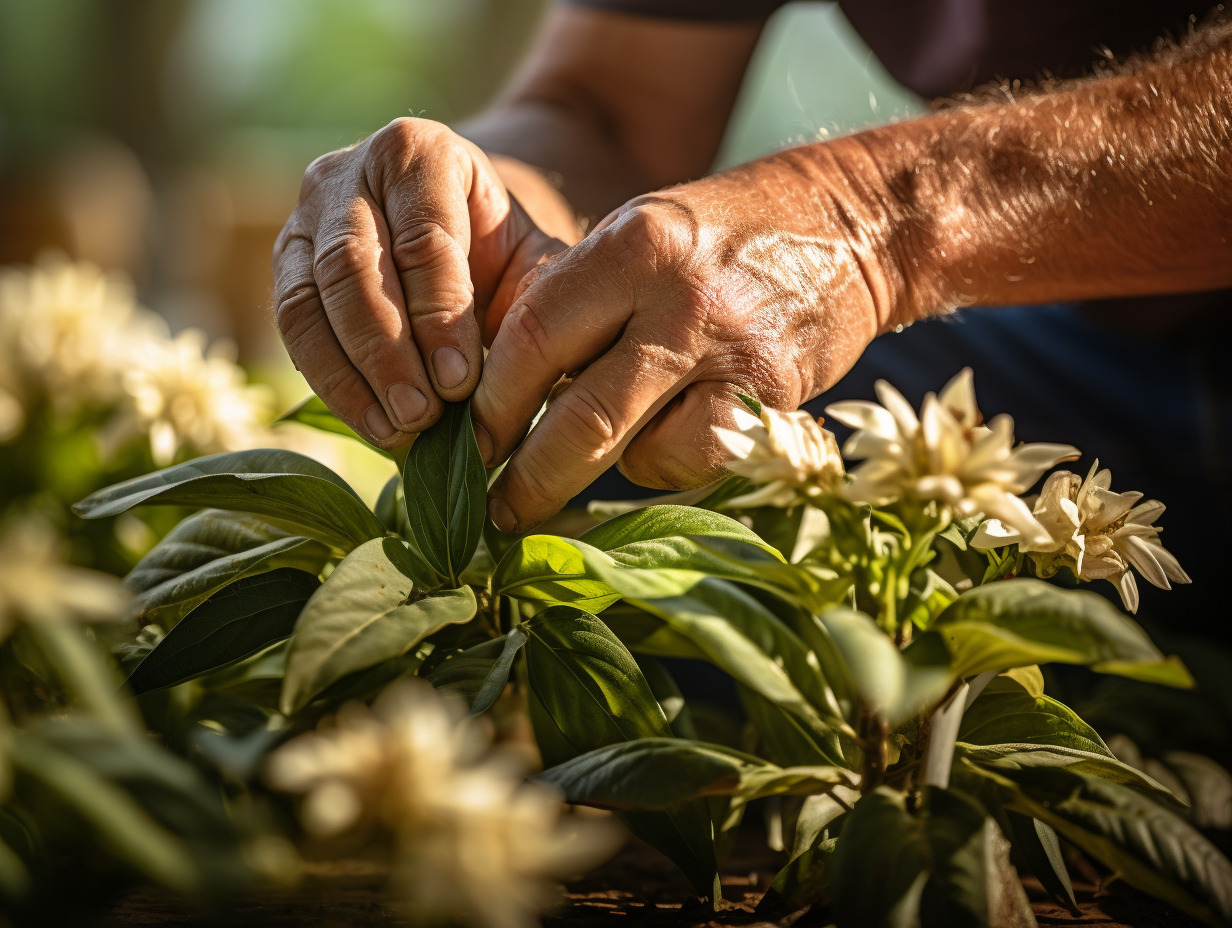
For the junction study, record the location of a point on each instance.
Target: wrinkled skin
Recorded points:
(381, 266)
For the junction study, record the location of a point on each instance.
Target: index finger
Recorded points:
(585, 429)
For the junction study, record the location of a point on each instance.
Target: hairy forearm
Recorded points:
(1119, 184)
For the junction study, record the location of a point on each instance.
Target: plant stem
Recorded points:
(874, 735)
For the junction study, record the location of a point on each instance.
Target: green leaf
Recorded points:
(788, 739)
(944, 865)
(1041, 851)
(1149, 846)
(1013, 623)
(741, 636)
(367, 612)
(663, 773)
(446, 487)
(240, 620)
(1006, 713)
(587, 692)
(888, 683)
(666, 521)
(667, 694)
(313, 413)
(1003, 757)
(549, 569)
(289, 488)
(806, 878)
(390, 508)
(109, 814)
(481, 671)
(207, 551)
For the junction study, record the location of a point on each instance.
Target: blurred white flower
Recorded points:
(474, 842)
(790, 454)
(74, 338)
(63, 329)
(945, 454)
(1095, 532)
(36, 584)
(191, 396)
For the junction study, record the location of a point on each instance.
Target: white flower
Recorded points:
(36, 584)
(474, 842)
(190, 396)
(1095, 532)
(945, 454)
(789, 453)
(62, 329)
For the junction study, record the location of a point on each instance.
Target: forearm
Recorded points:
(1116, 185)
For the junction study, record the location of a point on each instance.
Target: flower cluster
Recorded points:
(1095, 532)
(474, 842)
(73, 339)
(948, 454)
(789, 454)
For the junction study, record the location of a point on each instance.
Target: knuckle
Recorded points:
(341, 381)
(338, 264)
(424, 244)
(656, 227)
(366, 351)
(293, 306)
(401, 140)
(526, 333)
(587, 424)
(320, 172)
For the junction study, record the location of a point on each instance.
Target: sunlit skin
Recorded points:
(410, 249)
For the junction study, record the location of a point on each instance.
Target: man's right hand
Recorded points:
(403, 254)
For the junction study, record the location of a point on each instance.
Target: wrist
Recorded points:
(896, 216)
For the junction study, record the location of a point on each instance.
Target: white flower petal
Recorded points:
(993, 533)
(898, 407)
(861, 414)
(1128, 588)
(958, 396)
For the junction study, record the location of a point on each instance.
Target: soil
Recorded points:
(636, 887)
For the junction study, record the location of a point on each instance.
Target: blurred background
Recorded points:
(165, 139)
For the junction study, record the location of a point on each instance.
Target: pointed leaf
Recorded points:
(289, 488)
(313, 413)
(1006, 713)
(481, 672)
(1014, 623)
(366, 612)
(587, 692)
(888, 683)
(663, 773)
(446, 487)
(207, 551)
(240, 620)
(1148, 845)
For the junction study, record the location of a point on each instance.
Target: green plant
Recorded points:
(887, 665)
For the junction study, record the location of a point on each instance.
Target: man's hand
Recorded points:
(769, 279)
(402, 252)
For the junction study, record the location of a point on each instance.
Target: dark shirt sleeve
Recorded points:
(714, 11)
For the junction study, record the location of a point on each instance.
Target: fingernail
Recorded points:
(378, 424)
(501, 515)
(407, 403)
(484, 442)
(450, 367)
